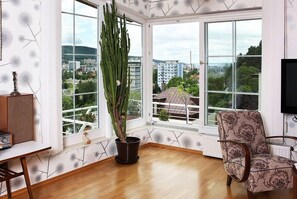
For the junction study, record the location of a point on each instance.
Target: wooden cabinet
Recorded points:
(17, 116)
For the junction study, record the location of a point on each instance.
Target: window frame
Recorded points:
(150, 24)
(74, 54)
(217, 17)
(51, 89)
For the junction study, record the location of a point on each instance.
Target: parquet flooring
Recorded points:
(161, 173)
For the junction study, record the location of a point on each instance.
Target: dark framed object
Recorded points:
(289, 86)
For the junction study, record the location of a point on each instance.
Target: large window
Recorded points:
(79, 66)
(136, 67)
(176, 73)
(233, 66)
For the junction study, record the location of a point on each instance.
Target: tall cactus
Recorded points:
(115, 46)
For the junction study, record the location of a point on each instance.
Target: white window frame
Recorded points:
(202, 19)
(51, 85)
(149, 105)
(217, 17)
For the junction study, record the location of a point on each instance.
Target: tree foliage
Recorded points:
(156, 88)
(189, 83)
(247, 80)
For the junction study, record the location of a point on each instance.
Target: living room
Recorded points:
(32, 47)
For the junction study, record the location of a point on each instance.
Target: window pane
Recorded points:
(248, 71)
(232, 69)
(86, 114)
(68, 114)
(67, 79)
(86, 68)
(211, 117)
(219, 74)
(217, 102)
(220, 38)
(176, 73)
(135, 34)
(67, 33)
(85, 100)
(79, 69)
(135, 63)
(220, 100)
(248, 37)
(84, 9)
(67, 6)
(247, 102)
(86, 32)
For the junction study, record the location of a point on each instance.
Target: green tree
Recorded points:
(247, 70)
(156, 88)
(174, 82)
(67, 102)
(85, 99)
(188, 84)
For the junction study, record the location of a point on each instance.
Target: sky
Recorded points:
(176, 42)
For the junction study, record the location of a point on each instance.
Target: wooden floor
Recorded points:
(161, 173)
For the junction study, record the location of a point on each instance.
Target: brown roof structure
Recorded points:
(174, 95)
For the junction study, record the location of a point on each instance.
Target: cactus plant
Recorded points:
(115, 46)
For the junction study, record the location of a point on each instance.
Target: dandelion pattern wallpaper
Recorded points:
(165, 8)
(21, 49)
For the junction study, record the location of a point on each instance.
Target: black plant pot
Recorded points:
(127, 152)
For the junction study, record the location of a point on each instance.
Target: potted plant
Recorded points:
(115, 46)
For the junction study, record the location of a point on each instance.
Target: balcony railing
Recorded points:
(180, 113)
(80, 125)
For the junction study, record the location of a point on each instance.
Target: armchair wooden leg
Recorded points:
(229, 180)
(250, 194)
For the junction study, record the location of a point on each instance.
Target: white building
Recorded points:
(73, 65)
(135, 72)
(167, 70)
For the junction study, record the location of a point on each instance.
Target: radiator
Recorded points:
(211, 147)
(280, 150)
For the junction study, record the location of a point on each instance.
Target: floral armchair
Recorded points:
(246, 155)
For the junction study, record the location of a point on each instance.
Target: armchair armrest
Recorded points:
(247, 161)
(283, 137)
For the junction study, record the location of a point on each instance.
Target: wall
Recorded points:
(165, 8)
(291, 52)
(21, 50)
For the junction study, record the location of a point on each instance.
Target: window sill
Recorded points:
(78, 137)
(81, 145)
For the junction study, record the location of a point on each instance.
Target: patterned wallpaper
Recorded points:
(21, 49)
(291, 52)
(165, 8)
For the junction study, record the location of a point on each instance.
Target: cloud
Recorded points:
(176, 41)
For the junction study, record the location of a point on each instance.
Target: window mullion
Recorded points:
(234, 76)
